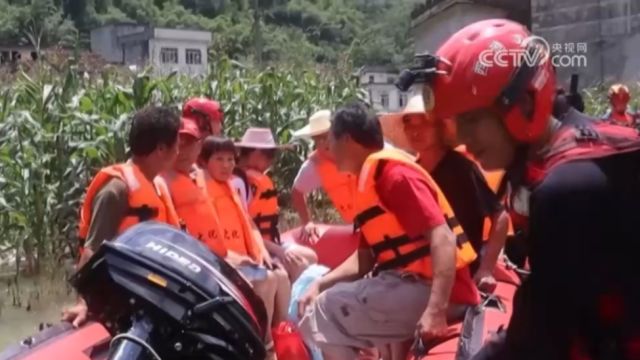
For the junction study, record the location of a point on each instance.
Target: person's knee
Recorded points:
(281, 277)
(266, 285)
(309, 255)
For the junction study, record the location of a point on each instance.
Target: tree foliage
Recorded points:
(292, 31)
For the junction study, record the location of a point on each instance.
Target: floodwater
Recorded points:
(34, 301)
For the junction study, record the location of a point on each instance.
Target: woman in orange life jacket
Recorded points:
(239, 235)
(462, 182)
(257, 152)
(619, 97)
(573, 189)
(320, 171)
(123, 195)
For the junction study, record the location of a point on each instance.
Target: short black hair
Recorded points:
(215, 144)
(151, 127)
(363, 126)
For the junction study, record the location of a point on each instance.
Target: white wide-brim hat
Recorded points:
(258, 138)
(319, 123)
(392, 126)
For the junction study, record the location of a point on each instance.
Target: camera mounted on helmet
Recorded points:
(425, 67)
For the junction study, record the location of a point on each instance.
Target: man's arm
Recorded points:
(109, 209)
(305, 182)
(497, 239)
(443, 259)
(299, 202)
(355, 267)
(492, 207)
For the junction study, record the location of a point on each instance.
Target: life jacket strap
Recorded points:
(271, 193)
(143, 213)
(367, 215)
(404, 260)
(393, 244)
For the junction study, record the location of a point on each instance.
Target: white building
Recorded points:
(166, 50)
(378, 82)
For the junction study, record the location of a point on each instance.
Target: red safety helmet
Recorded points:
(201, 107)
(462, 82)
(620, 93)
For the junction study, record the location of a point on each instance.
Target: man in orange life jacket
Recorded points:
(320, 171)
(123, 195)
(407, 240)
(462, 182)
(619, 114)
(186, 184)
(573, 189)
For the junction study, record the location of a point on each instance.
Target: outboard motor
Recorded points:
(163, 295)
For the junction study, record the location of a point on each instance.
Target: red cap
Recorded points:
(189, 126)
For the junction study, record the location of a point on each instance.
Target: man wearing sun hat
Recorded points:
(319, 171)
(463, 183)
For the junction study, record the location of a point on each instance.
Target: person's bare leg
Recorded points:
(266, 291)
(282, 296)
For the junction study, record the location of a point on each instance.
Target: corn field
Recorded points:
(57, 128)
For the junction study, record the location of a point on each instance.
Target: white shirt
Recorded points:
(239, 186)
(308, 179)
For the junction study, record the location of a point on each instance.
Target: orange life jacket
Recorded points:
(339, 186)
(391, 246)
(263, 207)
(235, 230)
(493, 178)
(146, 201)
(189, 196)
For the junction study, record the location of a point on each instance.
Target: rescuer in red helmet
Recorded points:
(573, 190)
(208, 112)
(619, 114)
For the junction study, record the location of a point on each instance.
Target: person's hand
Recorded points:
(432, 325)
(267, 261)
(291, 259)
(485, 281)
(308, 298)
(309, 234)
(76, 314)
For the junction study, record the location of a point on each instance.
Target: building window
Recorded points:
(402, 100)
(384, 100)
(194, 56)
(169, 55)
(371, 79)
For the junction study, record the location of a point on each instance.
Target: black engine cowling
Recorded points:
(200, 306)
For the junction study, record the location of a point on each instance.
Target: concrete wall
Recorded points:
(136, 53)
(433, 27)
(104, 40)
(610, 28)
(156, 45)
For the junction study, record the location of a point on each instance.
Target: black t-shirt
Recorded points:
(468, 193)
(584, 226)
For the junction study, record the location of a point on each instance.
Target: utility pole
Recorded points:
(257, 31)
